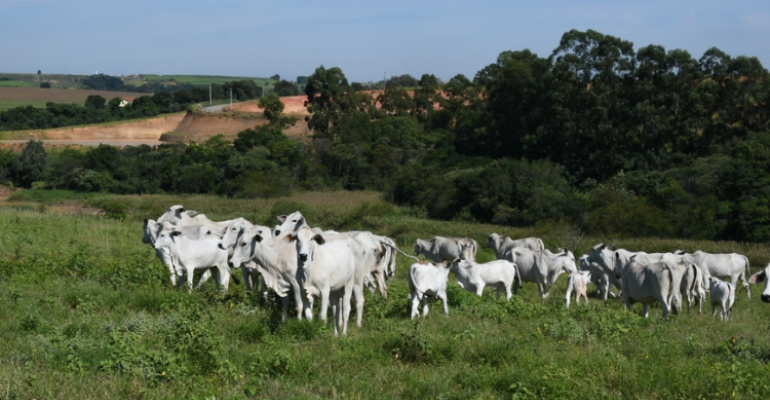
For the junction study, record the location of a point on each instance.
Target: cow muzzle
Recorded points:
(303, 257)
(765, 298)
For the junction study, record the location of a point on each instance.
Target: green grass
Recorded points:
(14, 83)
(49, 196)
(87, 312)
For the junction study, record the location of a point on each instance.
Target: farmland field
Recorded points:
(88, 312)
(14, 83)
(11, 97)
(201, 80)
(57, 81)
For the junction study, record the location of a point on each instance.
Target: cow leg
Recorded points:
(745, 284)
(416, 300)
(443, 298)
(248, 282)
(424, 303)
(380, 278)
(569, 292)
(508, 292)
(224, 277)
(284, 308)
(646, 310)
(204, 278)
(335, 304)
(346, 308)
(358, 292)
(190, 275)
(324, 304)
(301, 305)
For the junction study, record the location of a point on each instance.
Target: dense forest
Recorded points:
(97, 109)
(613, 140)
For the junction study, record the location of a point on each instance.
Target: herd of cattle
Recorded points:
(294, 260)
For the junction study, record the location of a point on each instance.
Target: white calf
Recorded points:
(578, 282)
(473, 277)
(722, 295)
(427, 280)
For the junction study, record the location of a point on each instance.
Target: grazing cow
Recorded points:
(195, 252)
(329, 272)
(760, 276)
(427, 280)
(723, 266)
(277, 261)
(599, 277)
(578, 282)
(541, 267)
(177, 215)
(440, 249)
(473, 277)
(647, 283)
(502, 245)
(723, 296)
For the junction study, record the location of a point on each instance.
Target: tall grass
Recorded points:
(88, 312)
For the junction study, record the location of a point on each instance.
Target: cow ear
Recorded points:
(181, 210)
(301, 221)
(319, 239)
(257, 238)
(758, 277)
(175, 233)
(290, 237)
(617, 256)
(281, 218)
(634, 256)
(146, 220)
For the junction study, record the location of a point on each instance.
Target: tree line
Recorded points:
(614, 140)
(97, 109)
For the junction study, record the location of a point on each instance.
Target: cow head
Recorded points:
(175, 214)
(290, 223)
(150, 231)
(763, 276)
(494, 241)
(417, 248)
(306, 240)
(231, 234)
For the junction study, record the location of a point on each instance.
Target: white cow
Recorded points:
(647, 283)
(541, 267)
(251, 275)
(277, 261)
(760, 276)
(578, 282)
(474, 277)
(427, 280)
(690, 278)
(178, 215)
(723, 266)
(151, 230)
(195, 252)
(722, 296)
(329, 273)
(602, 255)
(440, 249)
(502, 245)
(366, 249)
(599, 277)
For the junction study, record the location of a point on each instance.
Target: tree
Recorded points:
(95, 102)
(32, 163)
(276, 77)
(301, 80)
(285, 88)
(45, 85)
(272, 106)
(329, 96)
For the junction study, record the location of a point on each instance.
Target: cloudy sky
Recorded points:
(366, 39)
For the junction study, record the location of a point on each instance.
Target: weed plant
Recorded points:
(88, 312)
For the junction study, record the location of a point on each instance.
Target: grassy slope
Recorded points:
(202, 79)
(88, 313)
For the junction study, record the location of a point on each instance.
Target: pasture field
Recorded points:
(57, 81)
(87, 311)
(201, 80)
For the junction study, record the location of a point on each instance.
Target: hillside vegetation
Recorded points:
(89, 313)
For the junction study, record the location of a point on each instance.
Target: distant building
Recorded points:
(127, 101)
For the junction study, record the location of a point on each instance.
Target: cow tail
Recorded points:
(671, 288)
(518, 274)
(695, 281)
(540, 242)
(748, 267)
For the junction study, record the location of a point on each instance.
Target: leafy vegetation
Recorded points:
(89, 313)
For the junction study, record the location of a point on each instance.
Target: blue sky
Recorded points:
(366, 39)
